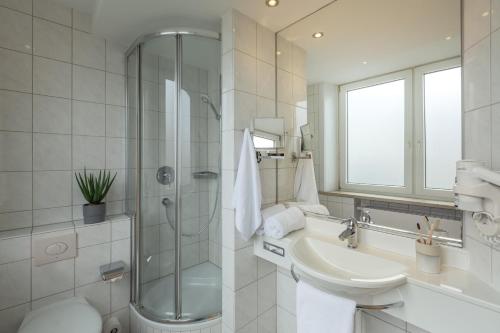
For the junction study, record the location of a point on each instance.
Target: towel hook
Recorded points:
(366, 307)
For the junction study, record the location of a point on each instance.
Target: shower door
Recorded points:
(177, 228)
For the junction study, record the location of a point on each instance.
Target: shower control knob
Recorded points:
(165, 175)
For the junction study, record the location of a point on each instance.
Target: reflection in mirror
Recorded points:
(268, 133)
(383, 106)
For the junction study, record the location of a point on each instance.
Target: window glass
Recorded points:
(376, 134)
(442, 120)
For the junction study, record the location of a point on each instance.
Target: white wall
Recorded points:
(481, 57)
(248, 91)
(62, 98)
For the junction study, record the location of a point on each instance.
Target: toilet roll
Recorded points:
(112, 325)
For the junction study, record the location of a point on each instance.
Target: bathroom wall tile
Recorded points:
(285, 84)
(88, 261)
(476, 21)
(11, 319)
(227, 31)
(245, 72)
(245, 34)
(51, 152)
(376, 325)
(495, 15)
(495, 263)
(51, 215)
(495, 67)
(285, 296)
(266, 80)
(51, 40)
(52, 299)
(89, 118)
(51, 115)
(299, 95)
(286, 322)
(15, 111)
(245, 267)
(89, 50)
(89, 235)
(115, 121)
(478, 135)
(88, 152)
(265, 45)
(246, 104)
(284, 54)
(51, 77)
(477, 75)
(15, 283)
(25, 6)
(480, 259)
(266, 293)
(98, 295)
(52, 11)
(117, 190)
(495, 136)
(299, 62)
(15, 71)
(15, 30)
(15, 191)
(120, 293)
(120, 250)
(115, 89)
(245, 305)
(15, 248)
(88, 84)
(15, 151)
(52, 278)
(51, 189)
(15, 221)
(123, 316)
(251, 327)
(115, 58)
(228, 80)
(267, 322)
(265, 267)
(82, 21)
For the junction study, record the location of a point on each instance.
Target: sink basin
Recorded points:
(338, 268)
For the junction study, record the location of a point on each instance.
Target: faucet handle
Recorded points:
(350, 220)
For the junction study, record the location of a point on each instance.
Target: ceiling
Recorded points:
(123, 21)
(388, 35)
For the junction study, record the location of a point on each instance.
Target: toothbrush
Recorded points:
(421, 239)
(434, 226)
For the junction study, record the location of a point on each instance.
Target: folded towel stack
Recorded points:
(309, 208)
(285, 221)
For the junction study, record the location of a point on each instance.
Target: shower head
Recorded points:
(206, 99)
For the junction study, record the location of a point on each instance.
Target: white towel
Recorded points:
(267, 213)
(309, 208)
(247, 196)
(320, 312)
(279, 225)
(305, 182)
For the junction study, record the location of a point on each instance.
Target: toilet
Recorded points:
(73, 315)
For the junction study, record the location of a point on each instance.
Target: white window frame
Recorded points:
(419, 73)
(405, 75)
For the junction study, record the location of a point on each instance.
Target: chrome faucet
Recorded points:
(350, 233)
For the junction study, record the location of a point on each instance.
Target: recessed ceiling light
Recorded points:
(448, 37)
(272, 3)
(485, 14)
(364, 62)
(318, 34)
(278, 52)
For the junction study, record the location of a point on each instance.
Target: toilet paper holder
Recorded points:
(113, 271)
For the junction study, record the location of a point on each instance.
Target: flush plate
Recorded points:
(54, 248)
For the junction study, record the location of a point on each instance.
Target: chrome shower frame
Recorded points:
(136, 259)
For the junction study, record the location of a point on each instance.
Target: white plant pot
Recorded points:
(428, 257)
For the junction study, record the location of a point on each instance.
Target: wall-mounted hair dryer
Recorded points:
(477, 190)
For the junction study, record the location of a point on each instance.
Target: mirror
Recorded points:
(268, 133)
(383, 99)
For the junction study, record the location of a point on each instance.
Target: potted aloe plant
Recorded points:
(94, 189)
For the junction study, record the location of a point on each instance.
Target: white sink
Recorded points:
(338, 268)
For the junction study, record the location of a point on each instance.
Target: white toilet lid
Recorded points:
(73, 315)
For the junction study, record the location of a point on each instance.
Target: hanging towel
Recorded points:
(305, 182)
(309, 208)
(247, 196)
(279, 225)
(321, 312)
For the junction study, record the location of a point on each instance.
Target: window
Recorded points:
(401, 133)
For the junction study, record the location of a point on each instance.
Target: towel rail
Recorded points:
(366, 307)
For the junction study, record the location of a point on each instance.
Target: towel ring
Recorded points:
(365, 307)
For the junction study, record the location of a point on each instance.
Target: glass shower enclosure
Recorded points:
(173, 175)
